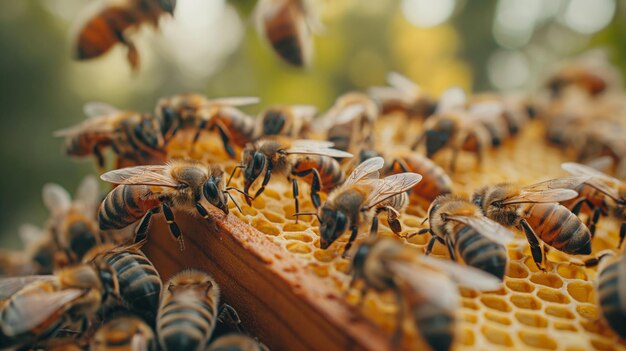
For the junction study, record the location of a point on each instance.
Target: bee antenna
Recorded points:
(424, 221)
(239, 191)
(307, 214)
(235, 202)
(233, 173)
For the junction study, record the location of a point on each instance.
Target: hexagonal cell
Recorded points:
(469, 304)
(304, 237)
(497, 318)
(343, 266)
(296, 227)
(569, 271)
(516, 270)
(298, 247)
(538, 340)
(515, 254)
(320, 270)
(527, 302)
(602, 345)
(496, 303)
(565, 326)
(587, 311)
(597, 327)
(467, 337)
(519, 285)
(574, 348)
(265, 226)
(581, 291)
(469, 293)
(274, 217)
(547, 279)
(561, 312)
(531, 319)
(470, 318)
(272, 193)
(324, 255)
(552, 295)
(497, 335)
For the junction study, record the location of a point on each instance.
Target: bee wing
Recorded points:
(464, 275)
(140, 175)
(402, 83)
(97, 124)
(234, 101)
(33, 309)
(390, 186)
(306, 112)
(367, 169)
(534, 196)
(316, 147)
(56, 199)
(558, 183)
(311, 13)
(452, 99)
(98, 108)
(30, 234)
(9, 286)
(601, 163)
(488, 110)
(485, 226)
(88, 194)
(434, 286)
(388, 93)
(597, 179)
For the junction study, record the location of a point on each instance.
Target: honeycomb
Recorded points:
(553, 310)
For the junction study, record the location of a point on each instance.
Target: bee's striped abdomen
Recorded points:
(559, 228)
(479, 252)
(123, 206)
(609, 297)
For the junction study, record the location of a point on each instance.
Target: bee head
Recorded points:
(254, 163)
(438, 137)
(332, 224)
(168, 120)
(82, 237)
(214, 195)
(149, 132)
(168, 6)
(273, 122)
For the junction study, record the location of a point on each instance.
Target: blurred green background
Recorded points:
(211, 47)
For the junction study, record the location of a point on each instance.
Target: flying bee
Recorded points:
(452, 126)
(188, 311)
(39, 306)
(464, 230)
(349, 123)
(236, 342)
(144, 189)
(114, 23)
(288, 25)
(73, 223)
(291, 159)
(132, 136)
(138, 281)
(404, 96)
(124, 333)
(595, 191)
(535, 210)
(426, 285)
(360, 199)
(291, 121)
(197, 113)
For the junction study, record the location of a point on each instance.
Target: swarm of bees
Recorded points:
(83, 281)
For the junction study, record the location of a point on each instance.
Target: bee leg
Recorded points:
(228, 315)
(294, 186)
(97, 151)
(431, 243)
(454, 158)
(398, 333)
(174, 229)
(202, 211)
(316, 185)
(199, 130)
(579, 204)
(350, 241)
(622, 234)
(225, 138)
(374, 227)
(535, 246)
(266, 179)
(450, 246)
(141, 232)
(593, 221)
(133, 54)
(392, 220)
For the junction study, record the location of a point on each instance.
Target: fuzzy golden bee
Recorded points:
(292, 121)
(403, 96)
(133, 136)
(124, 333)
(359, 201)
(426, 286)
(197, 113)
(145, 190)
(535, 210)
(114, 23)
(468, 235)
(292, 159)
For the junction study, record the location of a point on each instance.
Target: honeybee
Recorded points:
(133, 136)
(73, 222)
(139, 283)
(404, 96)
(188, 311)
(124, 333)
(452, 126)
(292, 158)
(427, 286)
(595, 191)
(236, 342)
(462, 228)
(144, 189)
(349, 123)
(590, 72)
(535, 210)
(291, 121)
(288, 25)
(113, 24)
(360, 199)
(196, 112)
(39, 306)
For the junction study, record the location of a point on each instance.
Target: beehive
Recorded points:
(555, 310)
